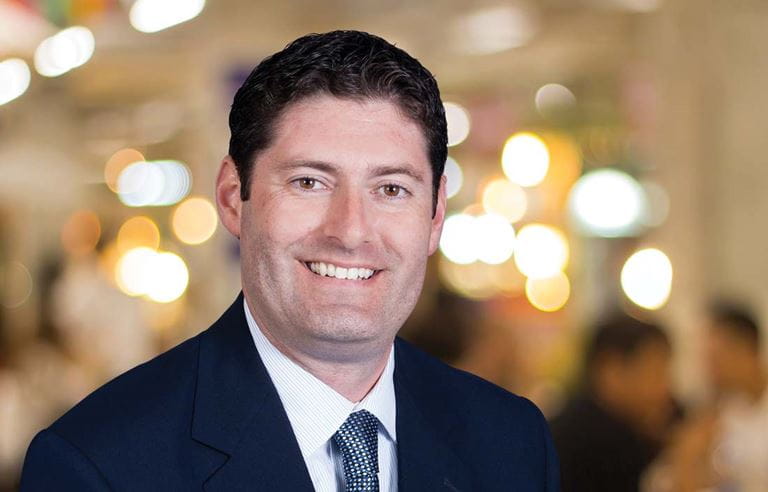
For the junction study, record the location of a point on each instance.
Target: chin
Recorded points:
(345, 329)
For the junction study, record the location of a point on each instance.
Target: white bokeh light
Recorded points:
(525, 159)
(541, 251)
(14, 79)
(454, 177)
(551, 97)
(134, 271)
(68, 49)
(153, 183)
(494, 239)
(646, 278)
(489, 238)
(457, 240)
(155, 15)
(158, 276)
(608, 203)
(169, 278)
(494, 29)
(458, 122)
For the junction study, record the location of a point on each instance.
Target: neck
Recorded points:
(351, 377)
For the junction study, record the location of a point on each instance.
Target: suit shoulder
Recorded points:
(143, 396)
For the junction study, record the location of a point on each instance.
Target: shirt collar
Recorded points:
(315, 410)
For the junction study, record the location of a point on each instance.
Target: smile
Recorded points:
(342, 273)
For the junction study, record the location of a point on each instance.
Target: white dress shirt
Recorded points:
(316, 411)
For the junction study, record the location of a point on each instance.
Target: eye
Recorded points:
(306, 183)
(393, 190)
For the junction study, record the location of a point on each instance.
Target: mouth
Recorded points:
(358, 273)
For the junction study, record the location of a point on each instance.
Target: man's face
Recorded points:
(344, 190)
(728, 359)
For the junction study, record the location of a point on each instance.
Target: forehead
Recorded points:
(364, 132)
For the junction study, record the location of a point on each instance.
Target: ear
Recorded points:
(228, 200)
(439, 217)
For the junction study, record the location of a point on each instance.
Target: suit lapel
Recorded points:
(238, 414)
(424, 460)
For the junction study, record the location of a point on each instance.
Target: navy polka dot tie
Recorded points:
(358, 440)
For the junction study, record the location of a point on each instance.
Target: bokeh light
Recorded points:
(501, 196)
(541, 251)
(153, 183)
(153, 16)
(608, 203)
(494, 29)
(15, 284)
(454, 177)
(139, 231)
(552, 97)
(80, 233)
(194, 220)
(457, 241)
(525, 159)
(65, 50)
(14, 79)
(458, 122)
(489, 238)
(475, 281)
(134, 271)
(494, 238)
(646, 278)
(548, 294)
(170, 278)
(657, 208)
(158, 276)
(119, 161)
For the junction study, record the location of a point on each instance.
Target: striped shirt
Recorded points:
(316, 411)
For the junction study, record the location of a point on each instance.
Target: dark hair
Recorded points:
(624, 336)
(343, 64)
(737, 320)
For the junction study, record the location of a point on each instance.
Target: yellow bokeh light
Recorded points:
(505, 198)
(134, 271)
(139, 231)
(525, 159)
(475, 281)
(194, 220)
(541, 251)
(80, 233)
(548, 294)
(646, 278)
(119, 161)
(508, 278)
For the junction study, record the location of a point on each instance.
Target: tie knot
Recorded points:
(357, 439)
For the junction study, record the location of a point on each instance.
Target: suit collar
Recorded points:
(238, 413)
(424, 421)
(240, 421)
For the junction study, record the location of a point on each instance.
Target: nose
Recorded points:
(347, 220)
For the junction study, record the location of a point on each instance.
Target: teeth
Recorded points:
(330, 270)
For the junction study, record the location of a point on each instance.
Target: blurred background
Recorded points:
(607, 161)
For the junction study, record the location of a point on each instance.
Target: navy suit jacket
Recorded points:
(206, 416)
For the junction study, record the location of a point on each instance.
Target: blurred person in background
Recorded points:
(725, 447)
(613, 428)
(334, 187)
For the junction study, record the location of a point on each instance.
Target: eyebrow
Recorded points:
(377, 171)
(403, 169)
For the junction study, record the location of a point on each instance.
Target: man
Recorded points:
(333, 186)
(609, 434)
(727, 447)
